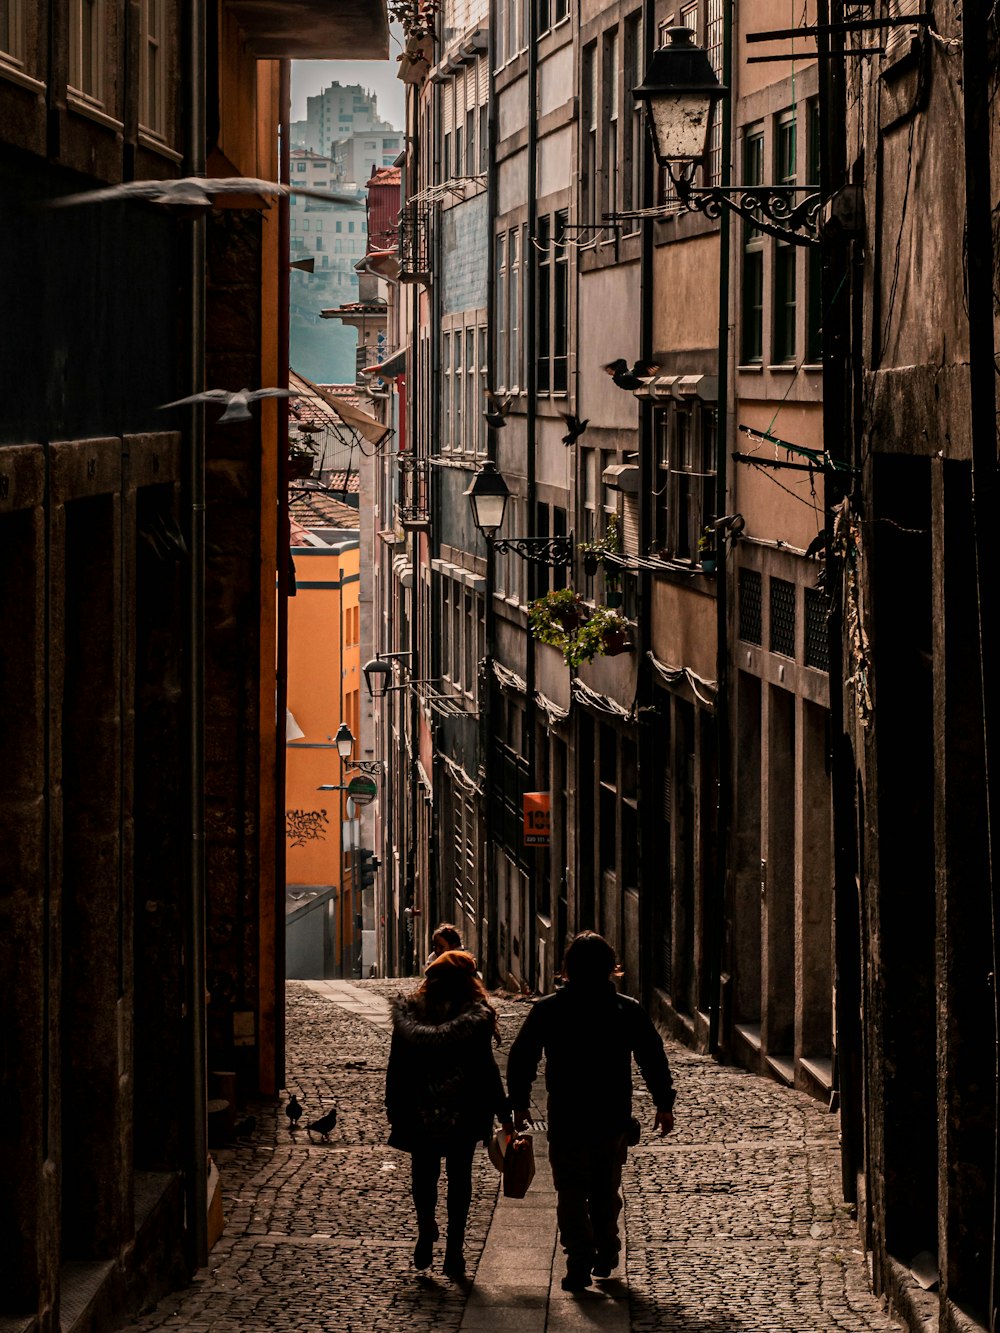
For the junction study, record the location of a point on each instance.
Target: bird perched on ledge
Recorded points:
(294, 1111)
(632, 378)
(574, 427)
(323, 1125)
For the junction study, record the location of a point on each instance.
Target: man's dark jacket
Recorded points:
(588, 1036)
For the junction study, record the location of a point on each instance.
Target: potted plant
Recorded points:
(706, 550)
(555, 616)
(594, 552)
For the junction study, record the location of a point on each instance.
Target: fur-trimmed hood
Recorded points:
(410, 1024)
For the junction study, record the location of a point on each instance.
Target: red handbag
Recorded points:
(518, 1166)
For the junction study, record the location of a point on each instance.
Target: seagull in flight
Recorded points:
(237, 404)
(197, 193)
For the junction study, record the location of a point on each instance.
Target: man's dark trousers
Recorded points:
(587, 1175)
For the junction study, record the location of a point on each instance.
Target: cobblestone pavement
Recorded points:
(733, 1223)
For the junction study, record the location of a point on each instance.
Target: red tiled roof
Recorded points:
(316, 509)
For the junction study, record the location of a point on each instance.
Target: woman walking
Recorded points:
(442, 1091)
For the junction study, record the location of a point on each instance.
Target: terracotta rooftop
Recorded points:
(386, 176)
(317, 509)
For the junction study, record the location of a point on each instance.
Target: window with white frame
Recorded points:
(589, 94)
(458, 389)
(12, 31)
(685, 477)
(484, 371)
(515, 378)
(446, 392)
(86, 49)
(500, 301)
(152, 68)
(633, 145)
(611, 95)
(471, 397)
(560, 303)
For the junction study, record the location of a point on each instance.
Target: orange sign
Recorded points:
(537, 818)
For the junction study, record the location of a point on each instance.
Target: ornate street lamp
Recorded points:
(680, 92)
(344, 741)
(488, 495)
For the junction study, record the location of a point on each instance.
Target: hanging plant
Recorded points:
(560, 620)
(594, 552)
(706, 550)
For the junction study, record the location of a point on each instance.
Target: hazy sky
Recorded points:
(310, 77)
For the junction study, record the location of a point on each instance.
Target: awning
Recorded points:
(367, 427)
(389, 368)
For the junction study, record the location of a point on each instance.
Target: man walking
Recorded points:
(588, 1034)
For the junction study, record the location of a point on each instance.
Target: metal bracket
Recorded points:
(553, 551)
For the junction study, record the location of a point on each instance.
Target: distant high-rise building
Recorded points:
(336, 114)
(334, 236)
(366, 151)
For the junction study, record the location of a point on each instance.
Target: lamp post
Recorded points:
(680, 91)
(488, 495)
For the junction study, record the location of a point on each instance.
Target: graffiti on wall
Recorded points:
(302, 826)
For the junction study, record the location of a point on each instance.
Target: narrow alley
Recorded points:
(733, 1223)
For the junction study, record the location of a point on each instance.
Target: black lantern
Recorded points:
(377, 674)
(680, 91)
(344, 740)
(488, 496)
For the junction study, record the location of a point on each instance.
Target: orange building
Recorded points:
(324, 677)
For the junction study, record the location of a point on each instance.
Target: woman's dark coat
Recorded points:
(442, 1085)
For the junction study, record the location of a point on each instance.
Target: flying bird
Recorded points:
(630, 379)
(574, 427)
(323, 1125)
(237, 403)
(496, 416)
(294, 1111)
(198, 193)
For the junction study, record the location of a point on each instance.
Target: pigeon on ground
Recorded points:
(196, 193)
(496, 415)
(237, 403)
(294, 1111)
(245, 1127)
(323, 1125)
(632, 378)
(574, 427)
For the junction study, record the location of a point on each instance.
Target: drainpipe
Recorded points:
(979, 251)
(716, 916)
(488, 869)
(645, 736)
(531, 419)
(196, 1183)
(284, 572)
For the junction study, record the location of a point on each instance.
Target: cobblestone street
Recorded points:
(733, 1223)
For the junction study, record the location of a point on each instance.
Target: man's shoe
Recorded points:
(576, 1280)
(605, 1264)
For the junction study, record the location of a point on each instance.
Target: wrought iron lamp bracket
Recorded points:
(554, 551)
(787, 212)
(371, 767)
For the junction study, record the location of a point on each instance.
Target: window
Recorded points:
(12, 30)
(446, 391)
(814, 264)
(514, 376)
(484, 371)
(589, 117)
(543, 283)
(560, 315)
(446, 159)
(470, 389)
(752, 333)
(458, 387)
(86, 62)
(713, 42)
(685, 477)
(501, 311)
(785, 285)
(151, 68)
(484, 138)
(470, 142)
(611, 150)
(633, 146)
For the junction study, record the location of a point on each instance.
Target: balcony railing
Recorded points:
(414, 504)
(415, 242)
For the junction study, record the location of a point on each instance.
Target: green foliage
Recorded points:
(560, 619)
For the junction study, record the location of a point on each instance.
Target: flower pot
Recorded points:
(569, 619)
(591, 564)
(708, 564)
(613, 598)
(615, 642)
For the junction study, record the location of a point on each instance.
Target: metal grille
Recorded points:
(415, 241)
(817, 635)
(750, 605)
(782, 617)
(414, 506)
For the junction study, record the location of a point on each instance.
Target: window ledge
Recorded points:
(14, 74)
(813, 367)
(157, 145)
(78, 103)
(752, 368)
(783, 368)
